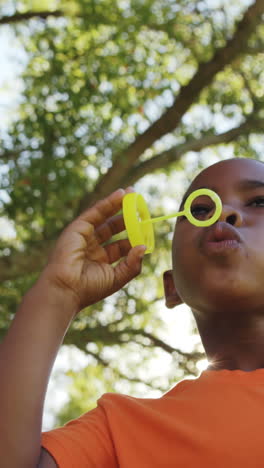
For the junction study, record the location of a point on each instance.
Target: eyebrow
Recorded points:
(242, 185)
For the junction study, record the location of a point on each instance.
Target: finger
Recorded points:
(117, 250)
(112, 226)
(105, 208)
(130, 267)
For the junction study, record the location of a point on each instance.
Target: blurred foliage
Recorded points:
(99, 73)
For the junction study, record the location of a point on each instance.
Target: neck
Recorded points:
(233, 342)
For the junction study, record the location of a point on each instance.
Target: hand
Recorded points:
(80, 266)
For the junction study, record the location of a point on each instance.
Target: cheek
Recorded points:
(253, 267)
(186, 277)
(183, 247)
(252, 254)
(183, 261)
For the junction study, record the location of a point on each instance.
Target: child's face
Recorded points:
(207, 281)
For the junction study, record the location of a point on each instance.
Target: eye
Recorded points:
(258, 200)
(198, 209)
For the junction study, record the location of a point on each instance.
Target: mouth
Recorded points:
(220, 238)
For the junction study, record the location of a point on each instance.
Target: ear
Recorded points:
(171, 295)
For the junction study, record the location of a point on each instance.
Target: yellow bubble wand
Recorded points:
(138, 222)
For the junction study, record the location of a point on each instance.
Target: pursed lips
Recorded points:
(218, 232)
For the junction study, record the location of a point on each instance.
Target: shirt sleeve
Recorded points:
(84, 442)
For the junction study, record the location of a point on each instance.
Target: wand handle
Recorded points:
(161, 218)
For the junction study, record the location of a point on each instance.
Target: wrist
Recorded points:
(58, 300)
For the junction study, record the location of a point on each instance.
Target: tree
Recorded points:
(114, 91)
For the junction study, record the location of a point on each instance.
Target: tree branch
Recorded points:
(187, 96)
(120, 374)
(102, 333)
(18, 17)
(10, 155)
(174, 154)
(157, 342)
(254, 50)
(82, 337)
(17, 263)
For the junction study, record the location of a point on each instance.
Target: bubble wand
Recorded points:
(138, 222)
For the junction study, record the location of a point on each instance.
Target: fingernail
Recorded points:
(143, 250)
(120, 190)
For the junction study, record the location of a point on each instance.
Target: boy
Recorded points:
(214, 420)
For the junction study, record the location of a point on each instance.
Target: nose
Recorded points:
(231, 215)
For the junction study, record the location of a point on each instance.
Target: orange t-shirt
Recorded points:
(215, 420)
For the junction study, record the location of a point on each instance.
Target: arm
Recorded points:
(27, 355)
(79, 273)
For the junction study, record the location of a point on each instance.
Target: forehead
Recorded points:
(226, 174)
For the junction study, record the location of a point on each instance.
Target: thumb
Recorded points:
(130, 267)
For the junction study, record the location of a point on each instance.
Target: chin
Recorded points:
(225, 294)
(224, 301)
